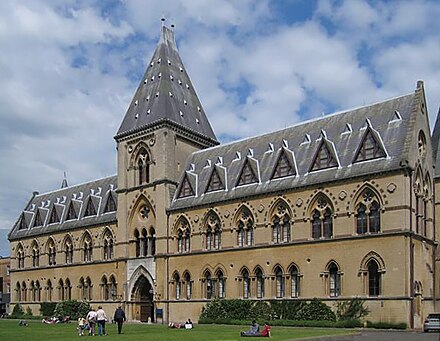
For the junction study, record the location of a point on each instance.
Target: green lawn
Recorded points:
(36, 331)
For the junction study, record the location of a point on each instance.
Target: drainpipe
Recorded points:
(411, 252)
(167, 304)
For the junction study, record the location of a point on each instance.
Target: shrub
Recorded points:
(227, 309)
(386, 325)
(286, 310)
(262, 310)
(47, 308)
(315, 311)
(351, 310)
(73, 308)
(17, 312)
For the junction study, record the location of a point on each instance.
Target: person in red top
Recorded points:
(266, 330)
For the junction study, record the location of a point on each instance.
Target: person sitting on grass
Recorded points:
(253, 330)
(266, 330)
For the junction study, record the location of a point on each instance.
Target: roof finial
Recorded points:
(64, 183)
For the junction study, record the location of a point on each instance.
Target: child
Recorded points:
(81, 326)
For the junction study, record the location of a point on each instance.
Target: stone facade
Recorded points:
(335, 208)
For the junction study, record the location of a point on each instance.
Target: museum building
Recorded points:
(337, 207)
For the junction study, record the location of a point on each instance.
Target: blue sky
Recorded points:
(69, 69)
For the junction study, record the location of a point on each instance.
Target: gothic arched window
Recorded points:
(68, 249)
(245, 228)
(260, 283)
(178, 286)
(280, 283)
(183, 236)
(294, 277)
(87, 248)
(281, 224)
(143, 165)
(108, 245)
(209, 290)
(221, 284)
(334, 280)
(374, 278)
(322, 221)
(35, 255)
(246, 283)
(51, 251)
(368, 213)
(213, 232)
(188, 284)
(20, 257)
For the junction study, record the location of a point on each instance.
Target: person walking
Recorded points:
(91, 319)
(120, 318)
(101, 318)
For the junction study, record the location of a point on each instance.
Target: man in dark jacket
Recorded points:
(119, 318)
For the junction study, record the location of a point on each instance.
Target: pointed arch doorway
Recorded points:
(142, 298)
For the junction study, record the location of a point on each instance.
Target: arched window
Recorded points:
(281, 224)
(246, 283)
(51, 252)
(18, 292)
(32, 291)
(143, 165)
(213, 232)
(183, 236)
(260, 283)
(280, 283)
(87, 248)
(61, 296)
(37, 292)
(322, 221)
(23, 291)
(144, 243)
(108, 245)
(88, 284)
(82, 289)
(188, 284)
(178, 286)
(152, 241)
(294, 276)
(221, 284)
(374, 278)
(209, 290)
(105, 289)
(49, 291)
(113, 287)
(20, 256)
(68, 249)
(138, 243)
(368, 213)
(68, 289)
(334, 280)
(35, 255)
(245, 228)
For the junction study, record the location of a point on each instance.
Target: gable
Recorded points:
(324, 157)
(215, 182)
(284, 166)
(370, 147)
(186, 189)
(247, 174)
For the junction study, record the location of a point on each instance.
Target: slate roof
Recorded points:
(60, 200)
(166, 94)
(389, 121)
(435, 145)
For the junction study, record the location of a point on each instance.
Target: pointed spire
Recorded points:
(64, 183)
(166, 95)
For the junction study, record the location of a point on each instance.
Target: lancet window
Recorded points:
(322, 221)
(368, 213)
(281, 224)
(245, 228)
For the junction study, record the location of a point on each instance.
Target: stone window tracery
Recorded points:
(322, 221)
(213, 232)
(281, 224)
(183, 236)
(245, 228)
(368, 213)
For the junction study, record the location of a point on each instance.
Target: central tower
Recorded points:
(163, 125)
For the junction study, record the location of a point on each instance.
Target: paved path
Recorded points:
(373, 335)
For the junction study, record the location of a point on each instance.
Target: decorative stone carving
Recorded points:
(391, 187)
(196, 218)
(299, 202)
(152, 142)
(227, 214)
(130, 149)
(342, 195)
(261, 208)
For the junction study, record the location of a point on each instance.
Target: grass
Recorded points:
(36, 331)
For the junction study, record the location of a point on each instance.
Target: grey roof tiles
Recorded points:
(165, 94)
(342, 133)
(97, 191)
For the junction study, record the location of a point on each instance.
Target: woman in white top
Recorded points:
(101, 317)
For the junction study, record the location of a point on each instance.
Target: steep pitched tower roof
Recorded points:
(166, 95)
(436, 145)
